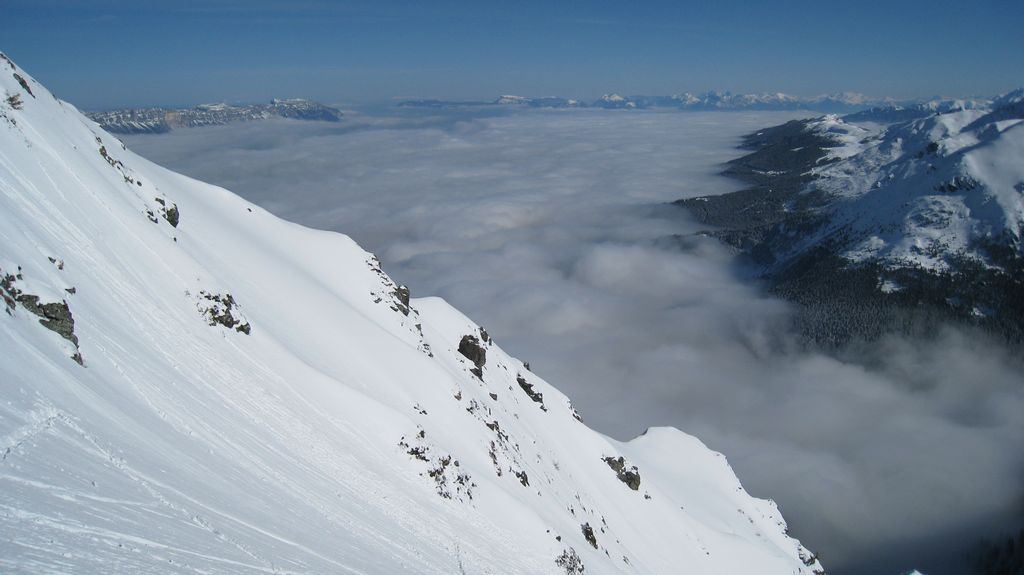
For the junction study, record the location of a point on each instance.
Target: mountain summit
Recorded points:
(193, 385)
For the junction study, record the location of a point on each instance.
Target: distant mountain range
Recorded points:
(159, 120)
(843, 102)
(892, 218)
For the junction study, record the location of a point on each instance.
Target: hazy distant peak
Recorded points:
(157, 120)
(1010, 98)
(510, 99)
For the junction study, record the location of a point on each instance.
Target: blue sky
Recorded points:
(101, 53)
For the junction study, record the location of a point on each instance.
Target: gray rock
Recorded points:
(470, 347)
(527, 388)
(169, 212)
(628, 475)
(221, 312)
(54, 316)
(401, 294)
(24, 84)
(588, 534)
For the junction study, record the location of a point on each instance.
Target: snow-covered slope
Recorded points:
(190, 384)
(893, 113)
(928, 191)
(891, 220)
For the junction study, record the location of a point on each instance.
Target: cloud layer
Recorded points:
(549, 228)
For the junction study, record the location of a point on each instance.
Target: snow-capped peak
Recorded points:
(1010, 98)
(510, 99)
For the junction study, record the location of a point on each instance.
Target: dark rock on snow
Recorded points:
(630, 476)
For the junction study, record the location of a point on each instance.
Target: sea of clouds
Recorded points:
(551, 228)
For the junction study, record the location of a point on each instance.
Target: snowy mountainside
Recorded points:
(928, 192)
(191, 384)
(923, 214)
(893, 113)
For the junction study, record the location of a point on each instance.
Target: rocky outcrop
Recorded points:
(54, 316)
(527, 388)
(588, 534)
(471, 349)
(169, 211)
(401, 294)
(221, 310)
(24, 84)
(629, 475)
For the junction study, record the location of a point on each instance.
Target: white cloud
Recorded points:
(548, 228)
